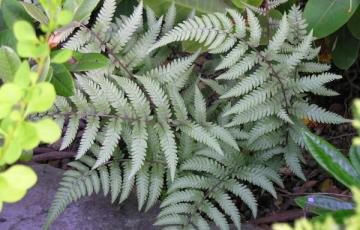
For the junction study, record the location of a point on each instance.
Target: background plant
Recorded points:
(339, 21)
(24, 93)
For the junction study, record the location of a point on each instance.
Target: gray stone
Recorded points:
(91, 213)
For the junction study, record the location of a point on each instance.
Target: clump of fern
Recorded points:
(267, 86)
(165, 127)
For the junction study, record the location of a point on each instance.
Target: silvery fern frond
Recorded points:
(154, 120)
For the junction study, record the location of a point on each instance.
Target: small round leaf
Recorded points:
(24, 32)
(42, 98)
(48, 130)
(61, 56)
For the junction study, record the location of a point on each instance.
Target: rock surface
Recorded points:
(92, 213)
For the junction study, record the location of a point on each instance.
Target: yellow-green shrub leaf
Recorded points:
(340, 217)
(61, 56)
(42, 98)
(9, 194)
(22, 76)
(41, 50)
(12, 153)
(20, 177)
(27, 135)
(5, 110)
(25, 49)
(10, 93)
(65, 17)
(24, 32)
(15, 182)
(48, 130)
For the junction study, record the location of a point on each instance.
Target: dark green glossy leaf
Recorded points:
(35, 12)
(192, 46)
(332, 160)
(346, 49)
(87, 61)
(355, 158)
(286, 6)
(353, 24)
(7, 38)
(62, 81)
(13, 11)
(321, 204)
(26, 156)
(327, 16)
(125, 7)
(9, 63)
(2, 23)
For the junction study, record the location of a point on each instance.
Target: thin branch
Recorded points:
(276, 75)
(280, 217)
(343, 135)
(171, 122)
(55, 155)
(82, 115)
(208, 193)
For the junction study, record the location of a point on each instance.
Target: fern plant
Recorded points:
(267, 86)
(155, 123)
(131, 96)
